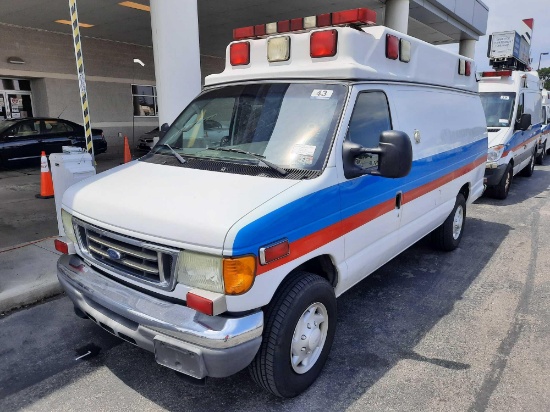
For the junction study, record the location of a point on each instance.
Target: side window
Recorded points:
(521, 107)
(371, 116)
(25, 129)
(55, 127)
(544, 115)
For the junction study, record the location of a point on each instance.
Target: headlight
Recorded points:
(495, 153)
(200, 271)
(232, 276)
(67, 220)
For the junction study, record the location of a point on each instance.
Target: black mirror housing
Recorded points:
(394, 156)
(163, 129)
(524, 122)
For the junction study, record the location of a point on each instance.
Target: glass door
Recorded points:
(3, 106)
(20, 105)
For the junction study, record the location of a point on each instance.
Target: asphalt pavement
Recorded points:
(462, 331)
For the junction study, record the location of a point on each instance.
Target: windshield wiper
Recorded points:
(261, 158)
(176, 154)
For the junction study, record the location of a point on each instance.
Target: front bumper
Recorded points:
(181, 338)
(493, 176)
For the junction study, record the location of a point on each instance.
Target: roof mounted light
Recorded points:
(354, 16)
(243, 33)
(502, 73)
(239, 53)
(323, 43)
(278, 49)
(392, 47)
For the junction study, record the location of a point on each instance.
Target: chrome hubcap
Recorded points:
(458, 221)
(309, 338)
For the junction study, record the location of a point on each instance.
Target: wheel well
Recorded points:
(321, 266)
(465, 190)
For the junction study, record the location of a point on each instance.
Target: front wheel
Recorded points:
(447, 236)
(528, 170)
(300, 327)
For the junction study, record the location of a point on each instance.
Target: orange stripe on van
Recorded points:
(320, 238)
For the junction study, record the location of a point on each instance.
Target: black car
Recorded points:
(25, 139)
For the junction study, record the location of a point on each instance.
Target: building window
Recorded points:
(145, 100)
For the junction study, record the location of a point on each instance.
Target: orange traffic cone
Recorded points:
(46, 182)
(127, 154)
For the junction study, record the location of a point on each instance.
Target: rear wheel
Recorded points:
(447, 236)
(528, 170)
(298, 335)
(542, 155)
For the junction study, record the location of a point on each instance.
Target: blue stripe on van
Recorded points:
(328, 206)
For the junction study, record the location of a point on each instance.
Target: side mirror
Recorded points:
(163, 129)
(394, 156)
(524, 122)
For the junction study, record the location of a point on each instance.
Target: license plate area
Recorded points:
(185, 360)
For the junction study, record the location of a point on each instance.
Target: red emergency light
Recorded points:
(392, 47)
(502, 73)
(356, 17)
(239, 53)
(323, 43)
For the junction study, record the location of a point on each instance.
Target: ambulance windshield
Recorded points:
(290, 125)
(499, 108)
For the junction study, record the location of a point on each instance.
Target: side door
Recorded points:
(521, 149)
(371, 205)
(55, 134)
(22, 141)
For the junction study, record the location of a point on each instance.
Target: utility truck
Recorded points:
(346, 143)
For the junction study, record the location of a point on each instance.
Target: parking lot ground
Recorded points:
(462, 331)
(23, 217)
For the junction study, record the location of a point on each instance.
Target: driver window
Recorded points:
(371, 117)
(521, 105)
(25, 129)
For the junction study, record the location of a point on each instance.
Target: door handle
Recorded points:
(398, 200)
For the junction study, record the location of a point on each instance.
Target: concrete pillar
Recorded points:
(397, 15)
(175, 28)
(467, 48)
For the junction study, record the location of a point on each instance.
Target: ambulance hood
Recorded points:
(500, 137)
(170, 205)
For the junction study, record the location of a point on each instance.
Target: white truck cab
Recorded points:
(345, 144)
(512, 101)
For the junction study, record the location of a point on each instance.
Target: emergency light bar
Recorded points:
(502, 73)
(354, 17)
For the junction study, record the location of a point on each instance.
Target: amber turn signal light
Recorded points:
(238, 274)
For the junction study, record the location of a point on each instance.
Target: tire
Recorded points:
(528, 170)
(501, 190)
(447, 236)
(542, 155)
(304, 296)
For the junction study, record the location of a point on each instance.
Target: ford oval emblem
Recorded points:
(114, 254)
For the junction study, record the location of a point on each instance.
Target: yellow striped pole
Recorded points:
(81, 77)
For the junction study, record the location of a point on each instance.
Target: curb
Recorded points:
(29, 294)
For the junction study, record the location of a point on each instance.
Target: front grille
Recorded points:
(493, 130)
(147, 262)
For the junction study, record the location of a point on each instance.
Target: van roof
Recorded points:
(361, 55)
(511, 81)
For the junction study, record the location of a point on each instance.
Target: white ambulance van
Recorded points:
(512, 101)
(345, 145)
